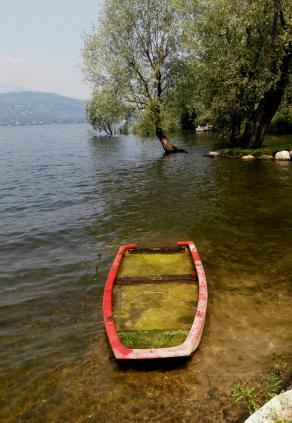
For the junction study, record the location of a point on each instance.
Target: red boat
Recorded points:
(155, 302)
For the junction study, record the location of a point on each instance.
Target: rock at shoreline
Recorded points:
(266, 157)
(277, 409)
(291, 154)
(248, 157)
(283, 155)
(213, 154)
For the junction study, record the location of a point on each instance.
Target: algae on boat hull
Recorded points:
(152, 338)
(155, 313)
(157, 264)
(144, 307)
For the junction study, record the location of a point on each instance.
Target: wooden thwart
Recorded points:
(154, 279)
(157, 250)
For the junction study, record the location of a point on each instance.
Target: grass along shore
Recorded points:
(271, 146)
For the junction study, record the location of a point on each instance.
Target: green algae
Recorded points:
(153, 306)
(159, 313)
(157, 264)
(152, 338)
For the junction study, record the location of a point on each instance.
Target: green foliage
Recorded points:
(136, 50)
(143, 124)
(104, 110)
(281, 124)
(244, 394)
(176, 61)
(125, 128)
(238, 47)
(282, 121)
(170, 117)
(255, 394)
(187, 119)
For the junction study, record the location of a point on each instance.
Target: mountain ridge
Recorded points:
(36, 107)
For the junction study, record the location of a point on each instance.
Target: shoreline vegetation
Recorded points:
(275, 148)
(255, 393)
(282, 155)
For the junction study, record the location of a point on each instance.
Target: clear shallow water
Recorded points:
(67, 201)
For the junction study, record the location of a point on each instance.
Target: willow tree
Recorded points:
(242, 50)
(104, 110)
(136, 49)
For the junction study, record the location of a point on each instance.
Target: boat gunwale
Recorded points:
(192, 340)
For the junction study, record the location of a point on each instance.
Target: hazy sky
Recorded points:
(41, 43)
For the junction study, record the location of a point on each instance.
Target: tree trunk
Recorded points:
(166, 144)
(260, 119)
(235, 132)
(156, 110)
(110, 130)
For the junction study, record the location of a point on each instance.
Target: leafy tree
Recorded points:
(242, 51)
(104, 110)
(136, 49)
(275, 40)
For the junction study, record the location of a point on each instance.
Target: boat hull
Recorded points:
(130, 301)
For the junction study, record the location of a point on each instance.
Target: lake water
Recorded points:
(67, 201)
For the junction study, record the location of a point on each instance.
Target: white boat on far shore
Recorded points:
(208, 127)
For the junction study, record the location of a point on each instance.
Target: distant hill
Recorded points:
(11, 89)
(35, 108)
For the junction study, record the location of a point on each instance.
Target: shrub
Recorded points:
(281, 125)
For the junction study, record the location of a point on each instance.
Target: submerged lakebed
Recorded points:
(68, 200)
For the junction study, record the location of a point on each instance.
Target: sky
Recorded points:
(41, 42)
